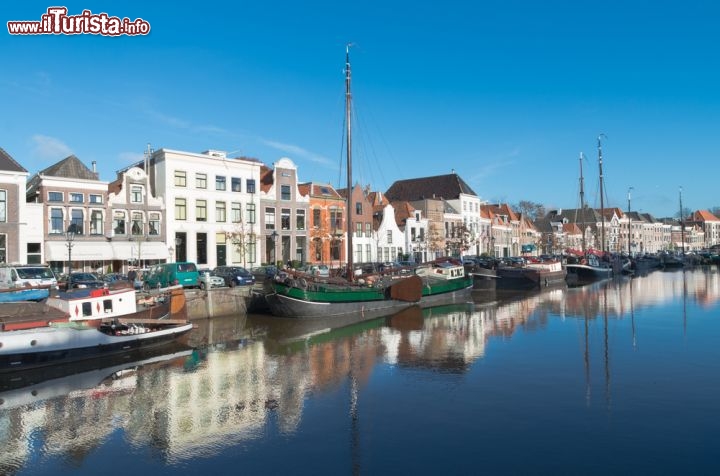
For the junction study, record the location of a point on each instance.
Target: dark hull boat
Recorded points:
(531, 276)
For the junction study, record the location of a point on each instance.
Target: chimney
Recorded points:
(94, 166)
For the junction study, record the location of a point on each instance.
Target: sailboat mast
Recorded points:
(582, 203)
(348, 114)
(682, 225)
(602, 202)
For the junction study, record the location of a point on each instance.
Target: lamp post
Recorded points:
(69, 238)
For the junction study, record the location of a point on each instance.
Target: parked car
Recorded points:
(84, 280)
(208, 280)
(234, 275)
(262, 273)
(169, 274)
(320, 270)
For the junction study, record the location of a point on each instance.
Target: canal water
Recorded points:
(619, 377)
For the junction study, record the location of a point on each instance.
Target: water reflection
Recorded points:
(245, 375)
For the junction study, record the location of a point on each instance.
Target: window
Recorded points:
(76, 221)
(358, 208)
(200, 180)
(389, 237)
(300, 219)
(3, 248)
(136, 194)
(201, 248)
(252, 251)
(335, 250)
(251, 213)
(154, 224)
(250, 186)
(236, 212)
(180, 209)
(33, 253)
(96, 222)
(368, 230)
(201, 210)
(3, 206)
(220, 183)
(220, 212)
(119, 223)
(56, 220)
(236, 184)
(367, 251)
(137, 227)
(336, 218)
(285, 218)
(76, 198)
(284, 192)
(358, 230)
(180, 178)
(316, 217)
(96, 198)
(412, 234)
(269, 218)
(55, 197)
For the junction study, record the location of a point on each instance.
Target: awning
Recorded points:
(126, 250)
(81, 251)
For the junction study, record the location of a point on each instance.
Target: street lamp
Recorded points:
(70, 237)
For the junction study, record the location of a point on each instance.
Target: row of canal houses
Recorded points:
(215, 210)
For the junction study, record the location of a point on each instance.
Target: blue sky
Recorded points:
(506, 93)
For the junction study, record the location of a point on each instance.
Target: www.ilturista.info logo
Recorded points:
(57, 22)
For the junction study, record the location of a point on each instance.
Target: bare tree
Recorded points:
(241, 238)
(530, 209)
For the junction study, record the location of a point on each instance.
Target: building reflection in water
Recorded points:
(240, 373)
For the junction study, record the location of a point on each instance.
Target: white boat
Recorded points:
(46, 339)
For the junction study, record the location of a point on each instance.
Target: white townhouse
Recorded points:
(390, 239)
(212, 205)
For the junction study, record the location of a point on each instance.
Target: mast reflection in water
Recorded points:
(619, 377)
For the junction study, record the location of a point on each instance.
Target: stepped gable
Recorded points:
(8, 163)
(448, 187)
(70, 167)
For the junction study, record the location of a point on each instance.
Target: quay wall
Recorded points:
(217, 302)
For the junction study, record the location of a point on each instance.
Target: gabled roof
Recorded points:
(500, 209)
(320, 190)
(448, 186)
(587, 216)
(266, 178)
(403, 211)
(70, 167)
(8, 163)
(703, 215)
(377, 200)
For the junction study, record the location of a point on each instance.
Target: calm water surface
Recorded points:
(621, 377)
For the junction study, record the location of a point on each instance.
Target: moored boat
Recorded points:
(535, 274)
(24, 294)
(43, 340)
(444, 282)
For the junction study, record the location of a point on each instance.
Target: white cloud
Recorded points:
(298, 151)
(49, 148)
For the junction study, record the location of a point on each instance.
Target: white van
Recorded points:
(19, 276)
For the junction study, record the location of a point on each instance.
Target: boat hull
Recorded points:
(528, 278)
(18, 295)
(579, 274)
(34, 348)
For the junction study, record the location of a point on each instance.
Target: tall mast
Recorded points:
(682, 225)
(602, 203)
(582, 203)
(348, 114)
(629, 223)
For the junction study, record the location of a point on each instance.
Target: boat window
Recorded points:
(107, 305)
(87, 309)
